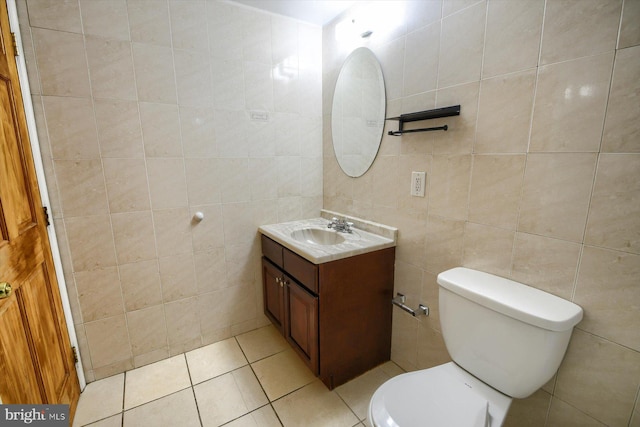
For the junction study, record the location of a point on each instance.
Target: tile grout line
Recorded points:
(244, 415)
(348, 406)
(193, 390)
(146, 403)
(122, 412)
(270, 403)
(359, 421)
(195, 399)
(286, 394)
(124, 390)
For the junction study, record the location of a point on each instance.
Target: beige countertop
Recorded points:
(366, 237)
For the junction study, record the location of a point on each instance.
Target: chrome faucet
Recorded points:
(340, 225)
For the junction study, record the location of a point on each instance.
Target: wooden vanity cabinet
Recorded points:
(335, 315)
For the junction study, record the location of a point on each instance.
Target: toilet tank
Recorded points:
(509, 335)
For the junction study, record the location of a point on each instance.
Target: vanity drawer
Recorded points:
(272, 250)
(304, 271)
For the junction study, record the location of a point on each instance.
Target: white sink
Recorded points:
(317, 236)
(311, 239)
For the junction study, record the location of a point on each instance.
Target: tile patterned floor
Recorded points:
(251, 380)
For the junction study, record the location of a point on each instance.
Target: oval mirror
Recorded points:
(357, 114)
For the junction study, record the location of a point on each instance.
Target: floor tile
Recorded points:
(357, 392)
(214, 359)
(157, 380)
(113, 421)
(314, 406)
(214, 385)
(261, 343)
(100, 399)
(263, 417)
(282, 373)
(229, 396)
(178, 409)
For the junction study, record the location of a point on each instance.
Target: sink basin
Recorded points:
(317, 236)
(314, 241)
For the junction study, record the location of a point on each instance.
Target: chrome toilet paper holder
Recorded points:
(400, 299)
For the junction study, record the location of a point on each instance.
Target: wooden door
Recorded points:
(273, 288)
(302, 322)
(36, 360)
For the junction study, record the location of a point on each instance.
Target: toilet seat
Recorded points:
(442, 396)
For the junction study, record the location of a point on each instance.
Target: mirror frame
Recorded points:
(358, 164)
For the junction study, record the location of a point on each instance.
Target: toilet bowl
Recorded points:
(445, 395)
(506, 340)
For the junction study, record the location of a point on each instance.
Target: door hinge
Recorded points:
(14, 42)
(46, 215)
(75, 354)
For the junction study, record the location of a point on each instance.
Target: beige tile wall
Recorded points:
(537, 180)
(143, 112)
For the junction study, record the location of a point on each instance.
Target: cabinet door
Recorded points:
(273, 288)
(301, 330)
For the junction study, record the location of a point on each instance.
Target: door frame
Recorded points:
(25, 92)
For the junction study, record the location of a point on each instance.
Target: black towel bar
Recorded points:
(424, 115)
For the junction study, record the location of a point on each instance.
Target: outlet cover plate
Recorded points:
(418, 183)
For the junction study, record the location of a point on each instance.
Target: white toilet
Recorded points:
(506, 340)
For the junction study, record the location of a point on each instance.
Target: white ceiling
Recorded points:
(317, 12)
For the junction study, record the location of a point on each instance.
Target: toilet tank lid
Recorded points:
(513, 299)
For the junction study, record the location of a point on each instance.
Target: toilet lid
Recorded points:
(432, 397)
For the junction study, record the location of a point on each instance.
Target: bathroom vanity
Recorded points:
(329, 294)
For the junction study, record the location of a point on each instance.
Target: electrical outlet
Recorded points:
(417, 183)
